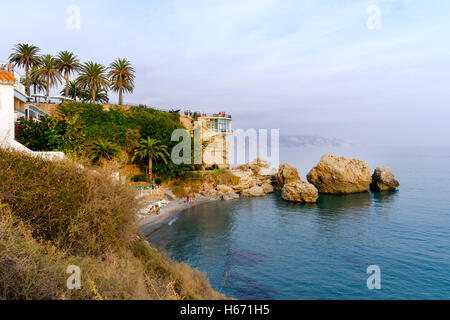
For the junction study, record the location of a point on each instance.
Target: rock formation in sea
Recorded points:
(300, 191)
(339, 175)
(383, 180)
(286, 174)
(254, 177)
(254, 192)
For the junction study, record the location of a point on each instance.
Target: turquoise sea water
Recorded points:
(266, 248)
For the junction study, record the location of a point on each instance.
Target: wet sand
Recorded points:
(150, 223)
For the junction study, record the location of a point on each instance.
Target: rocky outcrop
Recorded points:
(224, 189)
(334, 175)
(246, 180)
(383, 180)
(254, 192)
(230, 196)
(286, 174)
(268, 188)
(255, 166)
(254, 174)
(300, 191)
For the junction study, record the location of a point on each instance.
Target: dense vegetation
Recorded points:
(53, 215)
(85, 129)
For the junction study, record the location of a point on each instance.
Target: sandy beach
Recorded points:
(150, 223)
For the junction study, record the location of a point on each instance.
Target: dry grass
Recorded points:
(53, 215)
(79, 210)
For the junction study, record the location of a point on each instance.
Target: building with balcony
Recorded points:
(22, 107)
(215, 128)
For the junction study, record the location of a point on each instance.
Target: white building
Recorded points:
(7, 82)
(9, 98)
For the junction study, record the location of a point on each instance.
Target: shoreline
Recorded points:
(151, 223)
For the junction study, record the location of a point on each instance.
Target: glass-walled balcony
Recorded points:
(222, 125)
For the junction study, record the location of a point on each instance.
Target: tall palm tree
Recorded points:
(101, 96)
(38, 83)
(67, 63)
(48, 70)
(122, 77)
(93, 75)
(151, 149)
(26, 56)
(74, 91)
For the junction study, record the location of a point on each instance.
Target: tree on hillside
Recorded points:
(103, 149)
(73, 92)
(39, 84)
(85, 95)
(122, 77)
(26, 56)
(67, 63)
(100, 97)
(93, 76)
(151, 149)
(47, 70)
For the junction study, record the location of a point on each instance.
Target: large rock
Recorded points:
(383, 180)
(334, 175)
(300, 191)
(268, 188)
(230, 196)
(255, 166)
(224, 189)
(254, 192)
(246, 180)
(286, 174)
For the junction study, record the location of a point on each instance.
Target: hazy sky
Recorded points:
(305, 67)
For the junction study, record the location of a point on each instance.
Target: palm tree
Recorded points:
(67, 63)
(38, 83)
(122, 77)
(48, 70)
(103, 149)
(150, 149)
(101, 96)
(26, 56)
(93, 75)
(74, 91)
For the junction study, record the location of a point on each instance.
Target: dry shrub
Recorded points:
(184, 282)
(54, 215)
(80, 210)
(28, 269)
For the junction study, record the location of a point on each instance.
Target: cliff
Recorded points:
(56, 214)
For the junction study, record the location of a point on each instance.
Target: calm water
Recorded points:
(270, 249)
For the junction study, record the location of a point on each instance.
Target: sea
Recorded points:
(391, 245)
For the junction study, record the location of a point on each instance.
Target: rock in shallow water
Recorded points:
(383, 180)
(254, 192)
(335, 175)
(286, 174)
(300, 191)
(268, 188)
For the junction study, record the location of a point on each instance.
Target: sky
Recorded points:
(304, 67)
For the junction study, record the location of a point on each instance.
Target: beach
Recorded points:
(150, 223)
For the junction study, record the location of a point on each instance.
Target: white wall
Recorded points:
(6, 111)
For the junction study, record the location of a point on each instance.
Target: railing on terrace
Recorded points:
(206, 115)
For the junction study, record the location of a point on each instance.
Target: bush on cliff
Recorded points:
(56, 214)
